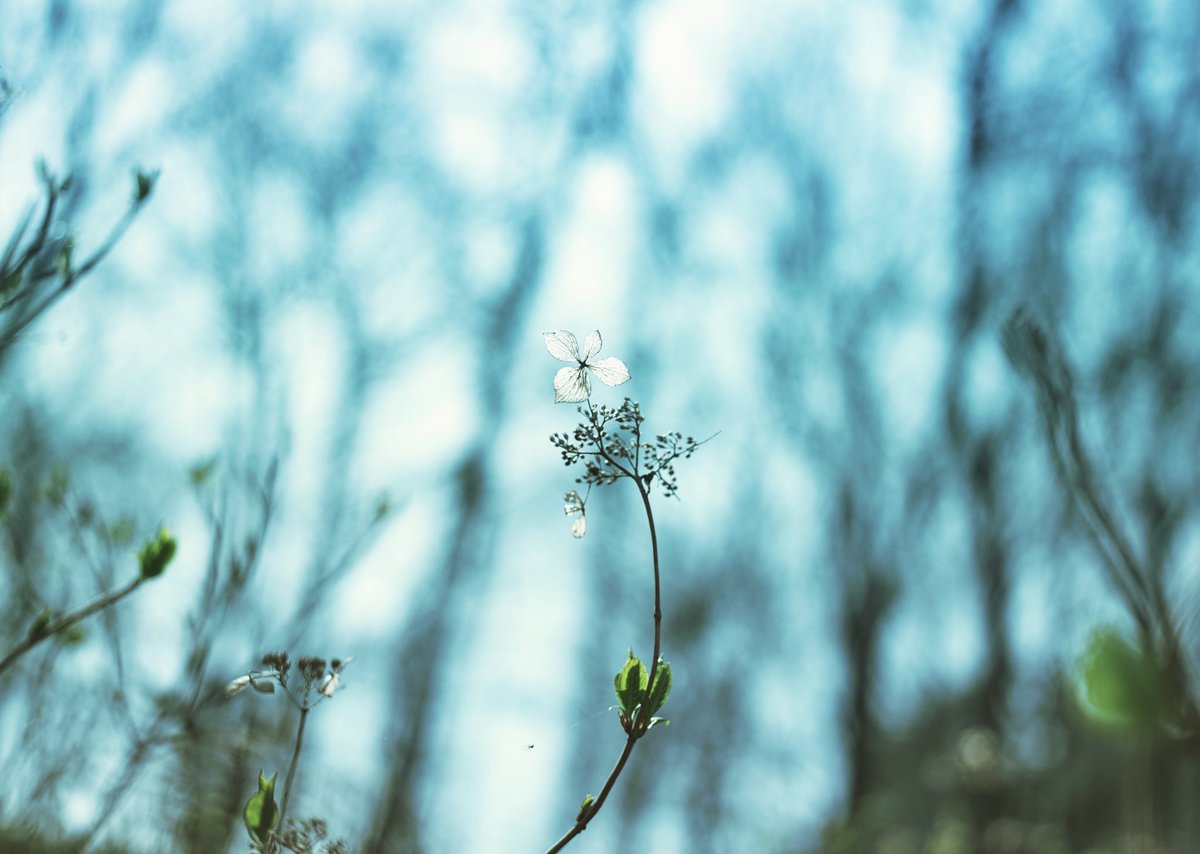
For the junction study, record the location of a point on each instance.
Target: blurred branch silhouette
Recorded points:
(38, 269)
(1037, 356)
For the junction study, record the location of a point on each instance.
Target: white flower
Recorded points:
(237, 686)
(254, 680)
(571, 384)
(573, 504)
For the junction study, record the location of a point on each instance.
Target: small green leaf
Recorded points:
(262, 813)
(9, 282)
(662, 688)
(1121, 685)
(119, 533)
(41, 622)
(156, 554)
(71, 635)
(65, 262)
(630, 683)
(654, 721)
(56, 489)
(202, 471)
(585, 808)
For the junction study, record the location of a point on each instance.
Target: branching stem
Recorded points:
(636, 731)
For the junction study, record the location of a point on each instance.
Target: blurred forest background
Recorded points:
(316, 356)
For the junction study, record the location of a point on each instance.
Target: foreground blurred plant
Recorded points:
(609, 444)
(36, 271)
(153, 559)
(39, 268)
(1138, 686)
(262, 816)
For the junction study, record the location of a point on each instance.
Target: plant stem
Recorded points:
(55, 626)
(581, 823)
(291, 774)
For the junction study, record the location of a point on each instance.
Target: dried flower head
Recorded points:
(573, 505)
(571, 384)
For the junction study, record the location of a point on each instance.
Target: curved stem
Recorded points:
(657, 583)
(637, 731)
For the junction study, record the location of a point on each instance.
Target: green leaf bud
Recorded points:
(143, 185)
(156, 554)
(585, 808)
(262, 813)
(630, 684)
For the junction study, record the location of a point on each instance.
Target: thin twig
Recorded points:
(53, 627)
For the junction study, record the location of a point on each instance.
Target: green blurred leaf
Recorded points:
(630, 683)
(41, 622)
(200, 473)
(262, 813)
(66, 260)
(59, 483)
(143, 185)
(156, 554)
(1121, 685)
(72, 635)
(120, 532)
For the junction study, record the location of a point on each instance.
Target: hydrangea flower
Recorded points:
(573, 505)
(571, 384)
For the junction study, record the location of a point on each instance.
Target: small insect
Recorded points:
(529, 747)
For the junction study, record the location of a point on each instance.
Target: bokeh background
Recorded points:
(317, 357)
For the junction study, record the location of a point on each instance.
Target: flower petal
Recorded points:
(580, 527)
(237, 686)
(329, 684)
(610, 371)
(592, 344)
(562, 346)
(571, 385)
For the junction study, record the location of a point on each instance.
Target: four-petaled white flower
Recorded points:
(572, 505)
(571, 384)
